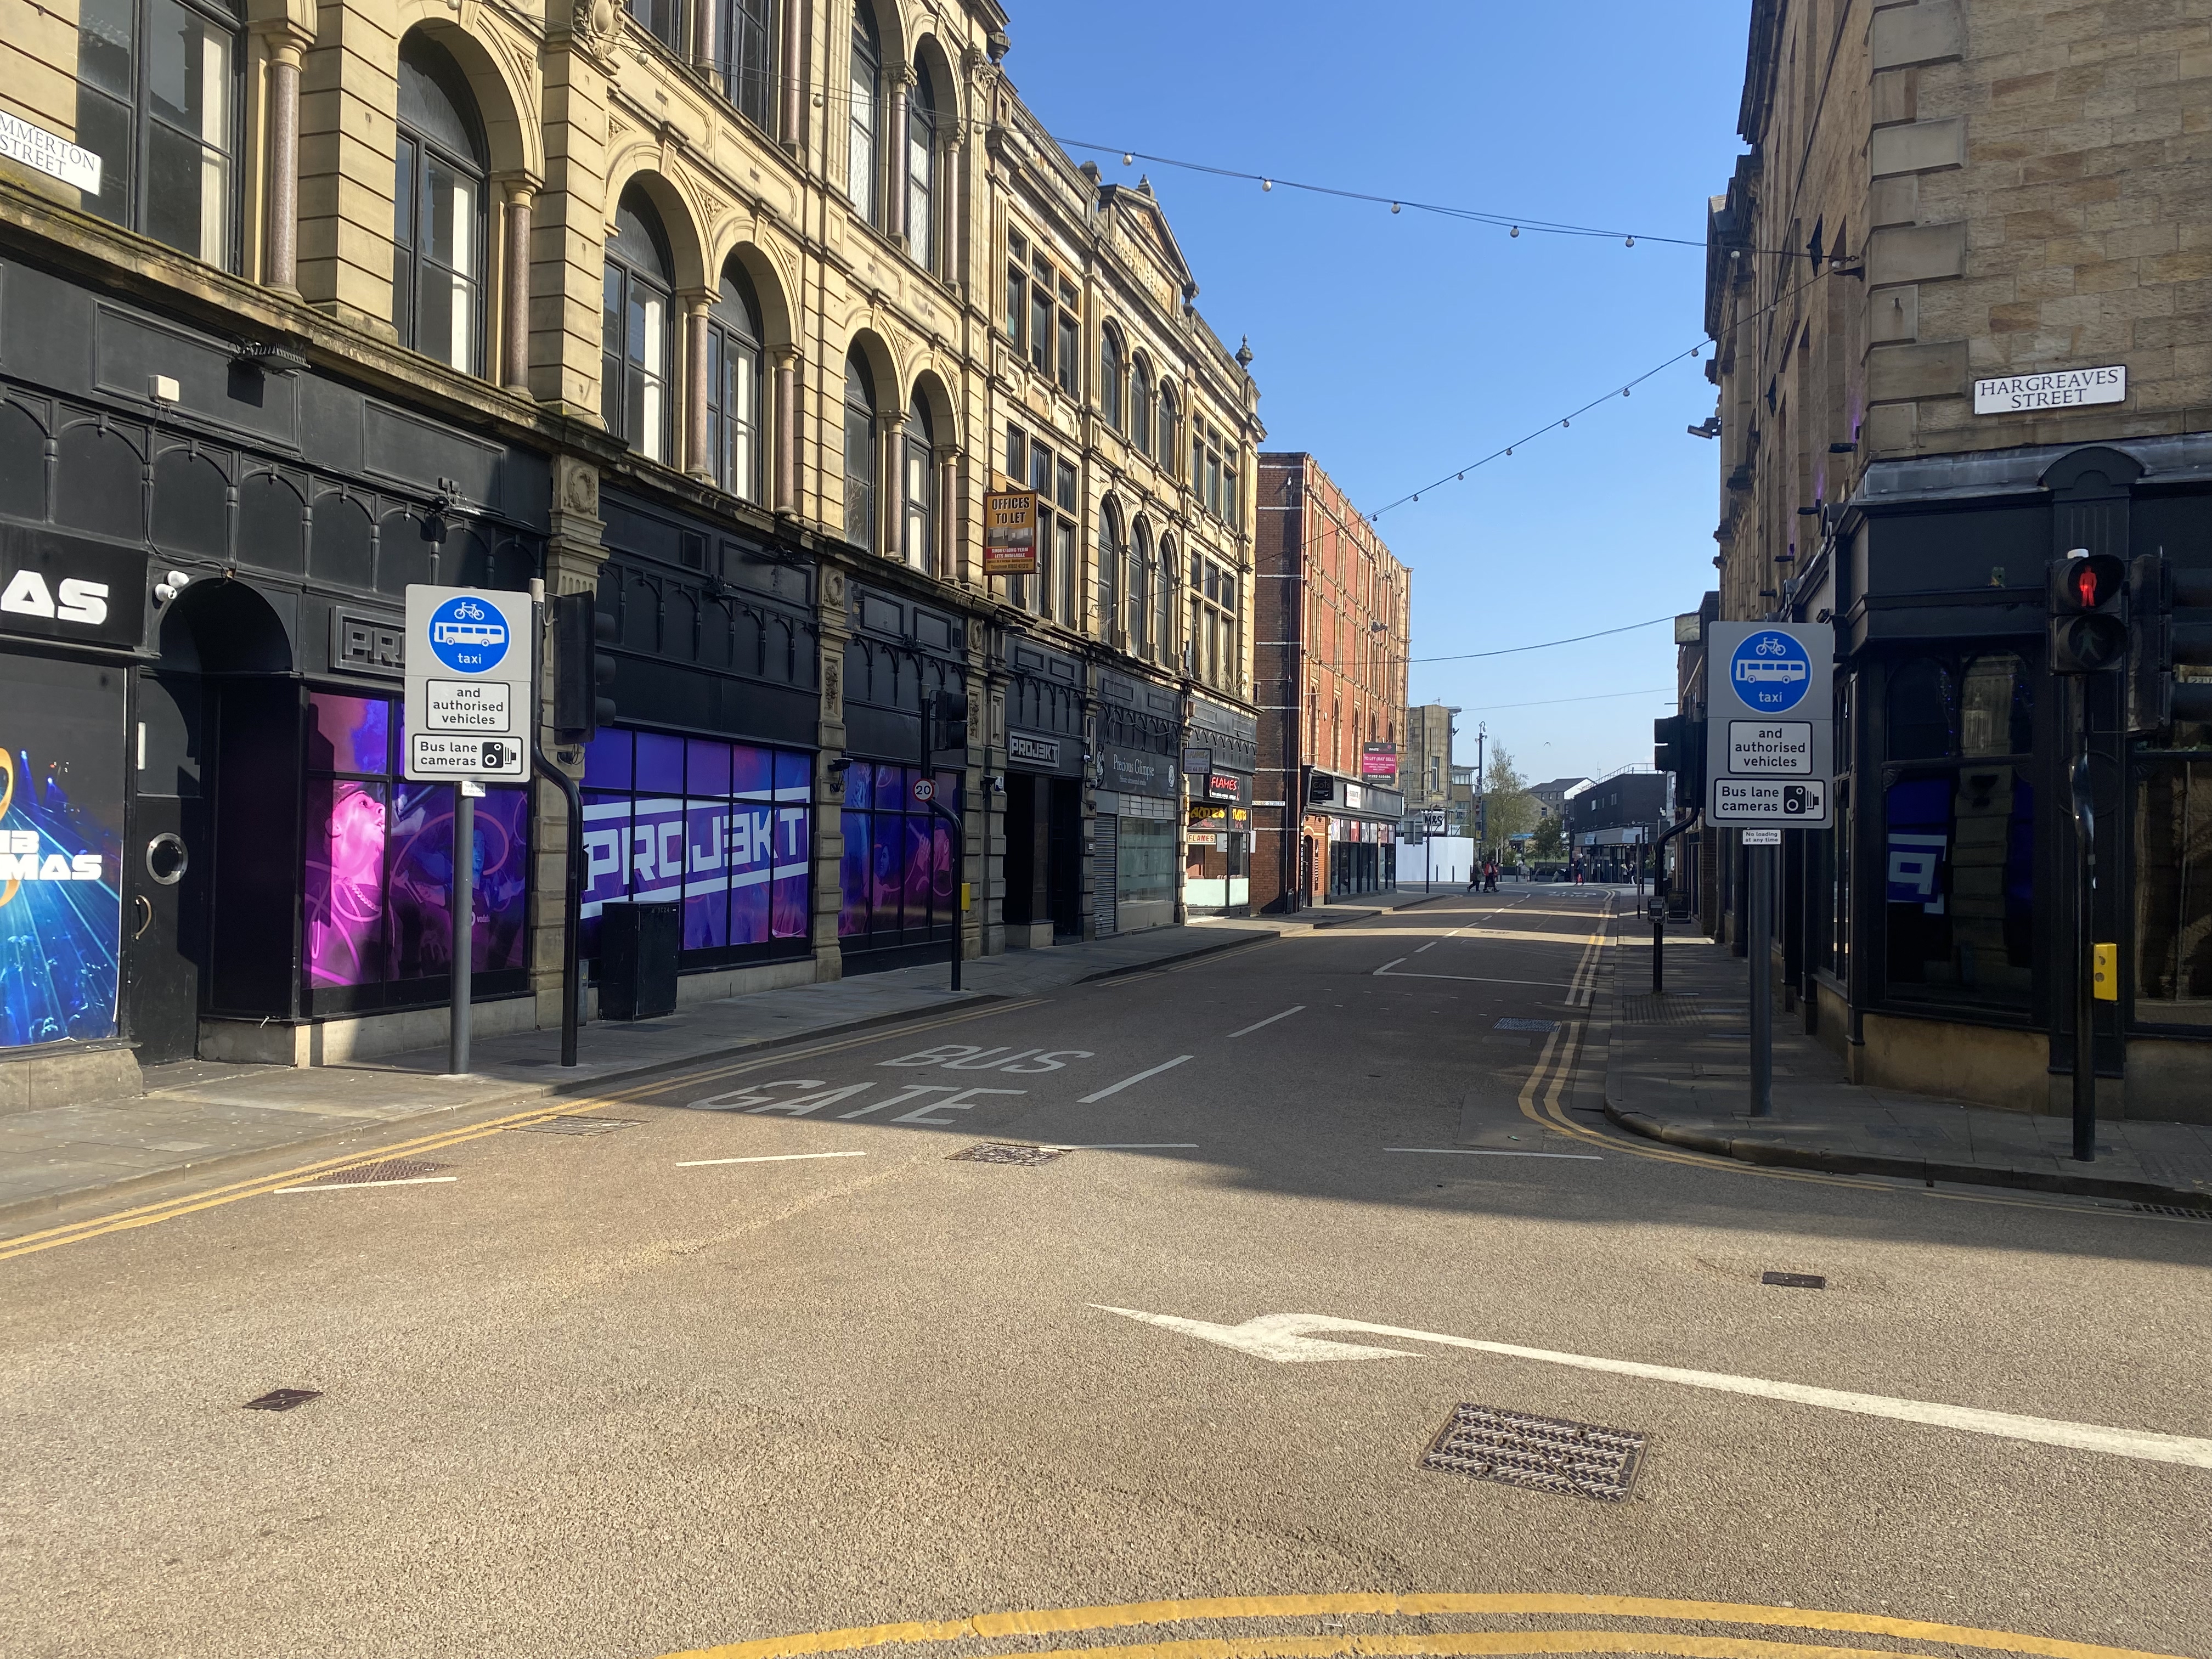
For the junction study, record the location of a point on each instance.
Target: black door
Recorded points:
(1063, 880)
(165, 871)
(1026, 859)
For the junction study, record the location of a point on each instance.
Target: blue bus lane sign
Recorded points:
(1770, 730)
(470, 696)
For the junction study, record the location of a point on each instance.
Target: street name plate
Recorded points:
(1771, 700)
(1771, 748)
(470, 696)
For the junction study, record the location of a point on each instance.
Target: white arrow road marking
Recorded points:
(1280, 1337)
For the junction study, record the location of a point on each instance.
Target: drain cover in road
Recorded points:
(1796, 1281)
(1545, 1453)
(1526, 1025)
(283, 1400)
(1007, 1151)
(577, 1126)
(384, 1172)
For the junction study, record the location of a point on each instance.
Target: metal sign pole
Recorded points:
(1762, 985)
(2085, 931)
(464, 924)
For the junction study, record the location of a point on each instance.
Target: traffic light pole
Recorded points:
(1659, 886)
(2085, 933)
(1759, 957)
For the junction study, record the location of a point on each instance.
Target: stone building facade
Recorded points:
(727, 313)
(1962, 289)
(1334, 614)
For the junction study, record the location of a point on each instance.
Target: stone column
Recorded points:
(515, 359)
(890, 493)
(573, 556)
(280, 243)
(787, 429)
(696, 461)
(794, 81)
(901, 81)
(949, 562)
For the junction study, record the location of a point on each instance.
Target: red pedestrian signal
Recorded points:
(2088, 602)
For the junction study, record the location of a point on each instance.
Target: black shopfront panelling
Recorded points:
(1138, 734)
(716, 631)
(299, 508)
(1044, 709)
(899, 650)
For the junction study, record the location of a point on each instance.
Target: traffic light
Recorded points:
(1678, 745)
(2087, 598)
(583, 673)
(2170, 627)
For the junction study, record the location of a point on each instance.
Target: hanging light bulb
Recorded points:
(1516, 230)
(1129, 159)
(1266, 183)
(1394, 207)
(1463, 477)
(1565, 423)
(1623, 392)
(1508, 450)
(1631, 241)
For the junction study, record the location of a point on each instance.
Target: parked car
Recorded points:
(1547, 870)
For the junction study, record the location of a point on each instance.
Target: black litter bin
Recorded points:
(637, 960)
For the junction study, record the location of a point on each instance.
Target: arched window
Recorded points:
(921, 517)
(1163, 603)
(1110, 569)
(921, 173)
(864, 122)
(157, 100)
(733, 386)
(1109, 377)
(1140, 591)
(439, 208)
(634, 390)
(747, 42)
(862, 465)
(1170, 451)
(1140, 405)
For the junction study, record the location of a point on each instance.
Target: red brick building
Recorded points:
(1331, 618)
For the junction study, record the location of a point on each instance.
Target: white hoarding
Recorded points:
(469, 684)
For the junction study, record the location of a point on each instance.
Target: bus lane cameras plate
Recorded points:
(1770, 801)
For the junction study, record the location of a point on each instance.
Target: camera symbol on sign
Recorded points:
(494, 756)
(1796, 800)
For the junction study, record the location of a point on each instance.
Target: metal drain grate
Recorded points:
(1526, 1025)
(575, 1125)
(1544, 1453)
(1007, 1151)
(368, 1175)
(1656, 1011)
(1796, 1281)
(2173, 1209)
(282, 1400)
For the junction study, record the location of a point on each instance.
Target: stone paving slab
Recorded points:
(1677, 1070)
(197, 1116)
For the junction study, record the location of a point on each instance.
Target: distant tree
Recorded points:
(1509, 809)
(1550, 840)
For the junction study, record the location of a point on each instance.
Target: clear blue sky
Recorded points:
(1397, 349)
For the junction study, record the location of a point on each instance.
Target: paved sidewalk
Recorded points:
(1678, 1070)
(198, 1116)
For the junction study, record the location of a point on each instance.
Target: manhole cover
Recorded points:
(283, 1400)
(1526, 1025)
(1007, 1151)
(382, 1173)
(576, 1126)
(1796, 1281)
(1545, 1453)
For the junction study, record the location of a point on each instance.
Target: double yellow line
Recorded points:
(190, 1203)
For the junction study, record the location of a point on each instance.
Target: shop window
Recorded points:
(900, 872)
(2173, 894)
(379, 872)
(724, 828)
(157, 101)
(439, 209)
(1997, 707)
(1922, 711)
(61, 820)
(634, 397)
(1145, 860)
(1959, 849)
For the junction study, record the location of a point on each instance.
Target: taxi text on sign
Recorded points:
(470, 695)
(1770, 728)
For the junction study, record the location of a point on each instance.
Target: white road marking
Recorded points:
(912, 1091)
(1472, 979)
(1485, 1151)
(355, 1185)
(1280, 1337)
(959, 1103)
(1136, 1147)
(1431, 945)
(773, 1157)
(1116, 1088)
(1389, 965)
(1294, 1008)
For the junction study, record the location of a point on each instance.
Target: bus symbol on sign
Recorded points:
(1772, 672)
(468, 637)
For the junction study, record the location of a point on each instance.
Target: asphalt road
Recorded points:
(614, 1395)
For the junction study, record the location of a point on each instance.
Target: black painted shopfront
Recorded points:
(1044, 792)
(217, 752)
(1135, 834)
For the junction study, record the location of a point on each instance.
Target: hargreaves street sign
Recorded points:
(470, 692)
(1770, 735)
